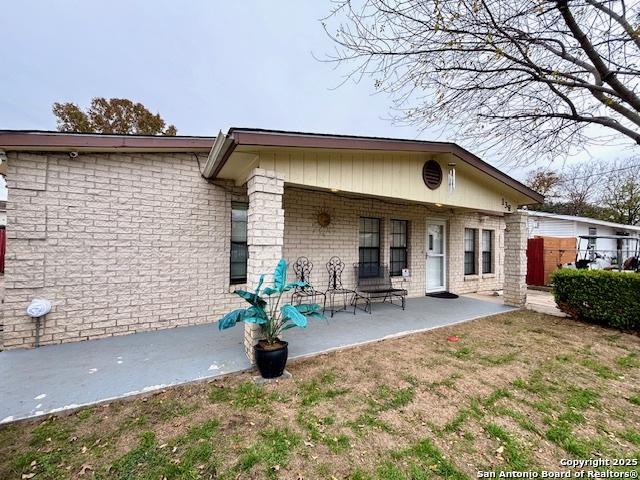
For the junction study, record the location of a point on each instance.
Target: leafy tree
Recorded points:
(114, 115)
(546, 182)
(530, 76)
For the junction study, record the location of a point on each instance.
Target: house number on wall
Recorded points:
(506, 205)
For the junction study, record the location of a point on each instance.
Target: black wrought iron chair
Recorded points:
(374, 282)
(335, 267)
(302, 268)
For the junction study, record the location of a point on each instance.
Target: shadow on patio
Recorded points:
(59, 377)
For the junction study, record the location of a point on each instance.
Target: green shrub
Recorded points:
(599, 296)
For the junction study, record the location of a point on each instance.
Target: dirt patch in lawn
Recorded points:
(518, 391)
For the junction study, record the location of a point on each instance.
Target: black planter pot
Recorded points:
(271, 361)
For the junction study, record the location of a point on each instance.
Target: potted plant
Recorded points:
(266, 310)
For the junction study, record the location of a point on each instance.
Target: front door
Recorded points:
(436, 256)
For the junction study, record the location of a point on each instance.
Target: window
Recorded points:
(238, 266)
(398, 246)
(470, 251)
(487, 251)
(369, 251)
(592, 241)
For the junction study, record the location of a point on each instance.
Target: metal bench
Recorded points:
(374, 282)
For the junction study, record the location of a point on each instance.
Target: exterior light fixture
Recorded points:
(335, 190)
(451, 177)
(438, 204)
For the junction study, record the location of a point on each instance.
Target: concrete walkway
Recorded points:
(543, 302)
(59, 377)
(540, 301)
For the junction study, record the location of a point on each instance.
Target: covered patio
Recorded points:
(60, 377)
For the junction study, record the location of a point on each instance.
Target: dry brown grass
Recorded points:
(518, 391)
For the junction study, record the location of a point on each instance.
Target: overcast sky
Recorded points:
(203, 65)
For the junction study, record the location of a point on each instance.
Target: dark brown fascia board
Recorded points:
(270, 138)
(47, 141)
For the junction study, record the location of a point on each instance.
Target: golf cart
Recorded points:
(626, 256)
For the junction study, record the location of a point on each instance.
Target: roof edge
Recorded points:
(36, 140)
(280, 138)
(577, 218)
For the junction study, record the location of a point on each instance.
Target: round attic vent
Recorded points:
(432, 174)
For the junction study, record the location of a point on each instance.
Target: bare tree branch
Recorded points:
(523, 75)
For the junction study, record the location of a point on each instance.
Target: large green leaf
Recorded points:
(231, 318)
(260, 282)
(252, 298)
(308, 308)
(291, 313)
(255, 315)
(268, 291)
(280, 275)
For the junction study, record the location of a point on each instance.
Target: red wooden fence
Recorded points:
(3, 247)
(545, 255)
(535, 261)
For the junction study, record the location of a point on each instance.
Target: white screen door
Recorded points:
(436, 256)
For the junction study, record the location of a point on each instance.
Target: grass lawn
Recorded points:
(518, 391)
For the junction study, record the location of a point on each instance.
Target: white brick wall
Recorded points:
(119, 243)
(459, 282)
(122, 243)
(304, 237)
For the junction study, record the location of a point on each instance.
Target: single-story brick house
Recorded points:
(129, 233)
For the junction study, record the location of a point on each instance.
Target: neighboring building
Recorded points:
(132, 233)
(555, 240)
(543, 224)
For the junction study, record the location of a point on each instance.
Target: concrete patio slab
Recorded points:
(59, 377)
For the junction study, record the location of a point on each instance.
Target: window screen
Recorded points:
(487, 251)
(470, 251)
(369, 247)
(398, 246)
(239, 251)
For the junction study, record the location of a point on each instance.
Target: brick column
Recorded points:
(265, 236)
(515, 259)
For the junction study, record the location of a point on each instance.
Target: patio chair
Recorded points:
(335, 267)
(302, 268)
(374, 282)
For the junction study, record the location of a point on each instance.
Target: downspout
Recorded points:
(222, 148)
